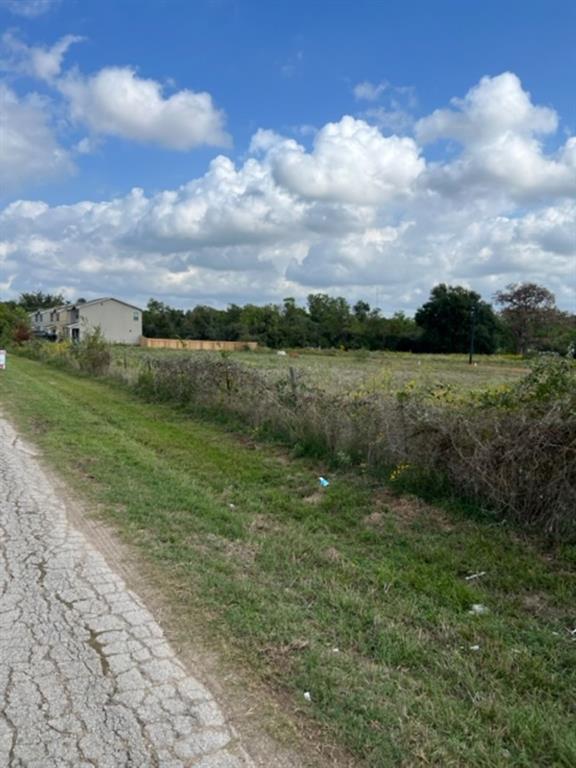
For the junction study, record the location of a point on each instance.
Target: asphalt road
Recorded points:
(87, 678)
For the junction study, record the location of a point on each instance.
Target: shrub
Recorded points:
(92, 355)
(52, 353)
(514, 448)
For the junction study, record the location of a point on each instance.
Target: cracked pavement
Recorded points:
(87, 678)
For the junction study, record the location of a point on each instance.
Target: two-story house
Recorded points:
(118, 321)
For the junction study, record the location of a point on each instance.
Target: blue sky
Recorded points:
(414, 191)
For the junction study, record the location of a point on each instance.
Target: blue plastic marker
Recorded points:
(323, 482)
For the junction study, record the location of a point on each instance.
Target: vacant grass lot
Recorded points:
(359, 370)
(356, 596)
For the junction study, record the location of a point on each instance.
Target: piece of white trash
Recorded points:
(475, 575)
(307, 696)
(474, 647)
(478, 609)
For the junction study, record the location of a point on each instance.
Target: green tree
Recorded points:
(446, 320)
(331, 320)
(528, 312)
(401, 332)
(204, 322)
(39, 300)
(295, 325)
(14, 323)
(161, 321)
(561, 334)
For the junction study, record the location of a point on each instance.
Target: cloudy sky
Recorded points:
(223, 151)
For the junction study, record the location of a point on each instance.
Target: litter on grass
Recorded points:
(475, 575)
(307, 696)
(323, 482)
(478, 609)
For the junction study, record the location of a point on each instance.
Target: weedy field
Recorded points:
(355, 371)
(412, 634)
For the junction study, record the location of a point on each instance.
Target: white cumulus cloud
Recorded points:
(116, 101)
(42, 62)
(29, 150)
(495, 106)
(498, 126)
(351, 162)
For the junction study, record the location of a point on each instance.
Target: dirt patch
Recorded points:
(263, 524)
(39, 426)
(539, 604)
(314, 498)
(407, 510)
(332, 555)
(239, 550)
(374, 520)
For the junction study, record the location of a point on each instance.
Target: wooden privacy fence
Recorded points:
(207, 346)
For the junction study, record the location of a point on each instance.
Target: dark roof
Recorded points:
(85, 303)
(99, 301)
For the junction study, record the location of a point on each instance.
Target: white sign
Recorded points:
(2, 359)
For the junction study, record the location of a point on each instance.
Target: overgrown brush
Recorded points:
(91, 355)
(315, 421)
(513, 449)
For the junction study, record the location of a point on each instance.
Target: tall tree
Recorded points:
(448, 317)
(295, 325)
(331, 320)
(528, 311)
(161, 321)
(39, 300)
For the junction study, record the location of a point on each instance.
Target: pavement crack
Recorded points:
(97, 646)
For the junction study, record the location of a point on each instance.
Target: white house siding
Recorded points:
(52, 320)
(119, 323)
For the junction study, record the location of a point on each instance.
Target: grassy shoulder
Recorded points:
(349, 594)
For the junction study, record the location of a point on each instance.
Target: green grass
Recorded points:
(351, 594)
(352, 371)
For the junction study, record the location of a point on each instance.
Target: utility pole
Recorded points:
(473, 313)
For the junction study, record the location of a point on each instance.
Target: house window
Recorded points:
(135, 316)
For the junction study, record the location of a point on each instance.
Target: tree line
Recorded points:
(453, 319)
(526, 319)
